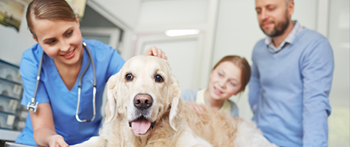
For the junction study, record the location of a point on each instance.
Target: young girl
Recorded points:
(56, 30)
(228, 77)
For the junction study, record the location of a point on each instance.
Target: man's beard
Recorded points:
(279, 28)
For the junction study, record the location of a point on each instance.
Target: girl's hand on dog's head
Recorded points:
(238, 119)
(154, 51)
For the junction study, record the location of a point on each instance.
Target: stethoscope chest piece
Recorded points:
(32, 107)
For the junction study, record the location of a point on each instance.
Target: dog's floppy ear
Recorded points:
(175, 94)
(111, 101)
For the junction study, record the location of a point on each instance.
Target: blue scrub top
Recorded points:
(64, 102)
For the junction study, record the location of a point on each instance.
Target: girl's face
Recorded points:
(60, 39)
(225, 81)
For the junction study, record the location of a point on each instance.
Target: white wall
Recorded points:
(339, 39)
(157, 16)
(305, 11)
(126, 11)
(182, 65)
(339, 128)
(168, 12)
(13, 43)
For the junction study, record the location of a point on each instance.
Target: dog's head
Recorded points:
(143, 91)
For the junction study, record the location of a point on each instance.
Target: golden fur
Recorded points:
(176, 122)
(222, 130)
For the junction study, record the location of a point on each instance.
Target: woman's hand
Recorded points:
(197, 108)
(57, 141)
(154, 51)
(44, 128)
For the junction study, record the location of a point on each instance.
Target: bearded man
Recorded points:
(292, 73)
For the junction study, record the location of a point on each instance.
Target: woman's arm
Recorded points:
(44, 129)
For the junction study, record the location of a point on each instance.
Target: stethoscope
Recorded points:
(33, 106)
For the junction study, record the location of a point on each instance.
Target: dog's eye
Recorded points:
(129, 77)
(158, 78)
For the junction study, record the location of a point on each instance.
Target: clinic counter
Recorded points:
(8, 134)
(11, 144)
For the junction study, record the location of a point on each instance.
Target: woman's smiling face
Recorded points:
(225, 81)
(60, 39)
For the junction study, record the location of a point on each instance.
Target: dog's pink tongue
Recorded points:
(140, 126)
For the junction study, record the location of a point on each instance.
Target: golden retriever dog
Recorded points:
(144, 109)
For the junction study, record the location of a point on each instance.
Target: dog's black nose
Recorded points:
(143, 101)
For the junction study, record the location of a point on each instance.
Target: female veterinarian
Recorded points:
(228, 77)
(64, 77)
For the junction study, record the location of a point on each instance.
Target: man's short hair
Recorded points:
(287, 1)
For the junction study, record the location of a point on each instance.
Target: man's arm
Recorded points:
(317, 71)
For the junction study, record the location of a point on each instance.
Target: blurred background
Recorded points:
(194, 34)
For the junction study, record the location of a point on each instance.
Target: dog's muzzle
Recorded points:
(142, 124)
(143, 101)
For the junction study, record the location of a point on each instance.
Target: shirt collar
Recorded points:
(297, 29)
